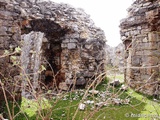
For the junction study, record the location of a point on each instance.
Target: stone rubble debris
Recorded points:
(94, 92)
(89, 102)
(115, 83)
(82, 106)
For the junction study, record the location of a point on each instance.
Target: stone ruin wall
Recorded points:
(115, 56)
(140, 33)
(68, 33)
(9, 38)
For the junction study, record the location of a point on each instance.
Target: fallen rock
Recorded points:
(100, 104)
(94, 91)
(81, 106)
(117, 101)
(115, 83)
(89, 102)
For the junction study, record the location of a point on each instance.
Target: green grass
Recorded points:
(116, 76)
(64, 109)
(151, 109)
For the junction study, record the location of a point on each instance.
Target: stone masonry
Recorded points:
(61, 38)
(115, 56)
(140, 33)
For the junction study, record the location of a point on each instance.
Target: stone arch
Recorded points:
(45, 39)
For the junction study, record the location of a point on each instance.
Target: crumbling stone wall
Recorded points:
(140, 33)
(9, 38)
(71, 43)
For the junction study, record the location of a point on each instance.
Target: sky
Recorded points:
(105, 13)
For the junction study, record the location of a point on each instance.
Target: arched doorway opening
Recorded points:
(41, 44)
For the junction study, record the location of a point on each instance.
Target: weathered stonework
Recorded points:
(69, 45)
(115, 56)
(140, 32)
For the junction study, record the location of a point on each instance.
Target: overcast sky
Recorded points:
(105, 13)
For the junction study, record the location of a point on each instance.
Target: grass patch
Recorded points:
(64, 106)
